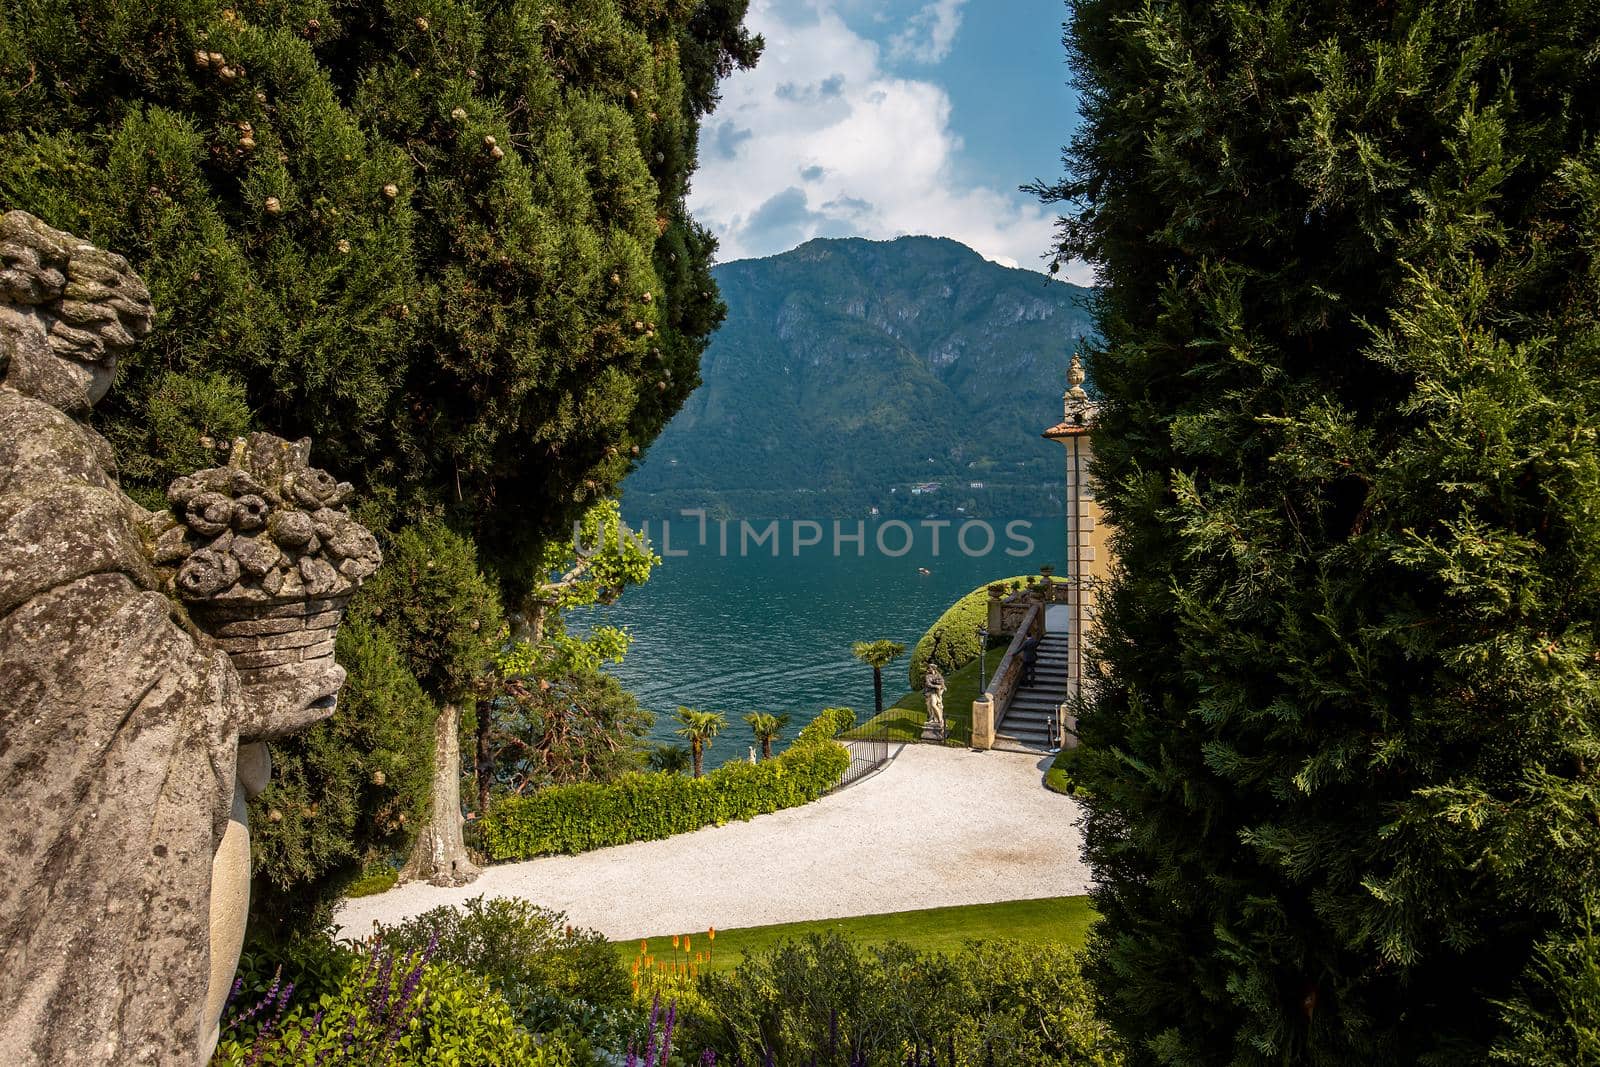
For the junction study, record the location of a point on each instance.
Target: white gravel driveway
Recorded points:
(937, 826)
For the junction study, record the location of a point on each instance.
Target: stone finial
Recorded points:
(1075, 399)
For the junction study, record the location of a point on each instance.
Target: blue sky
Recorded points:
(877, 118)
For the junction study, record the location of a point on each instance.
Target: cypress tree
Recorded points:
(447, 240)
(1341, 761)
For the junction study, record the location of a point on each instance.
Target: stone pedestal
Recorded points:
(983, 723)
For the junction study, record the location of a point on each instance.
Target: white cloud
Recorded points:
(929, 33)
(821, 141)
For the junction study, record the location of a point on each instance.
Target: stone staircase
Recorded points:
(1030, 722)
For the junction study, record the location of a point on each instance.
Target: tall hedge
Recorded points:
(1343, 764)
(952, 641)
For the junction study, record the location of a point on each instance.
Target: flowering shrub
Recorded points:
(830, 1002)
(373, 1006)
(646, 807)
(672, 974)
(555, 978)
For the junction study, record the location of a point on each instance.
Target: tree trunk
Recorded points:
(877, 689)
(440, 854)
(697, 749)
(766, 748)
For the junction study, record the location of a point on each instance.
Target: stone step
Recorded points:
(1016, 714)
(1027, 742)
(1028, 720)
(1027, 725)
(1006, 744)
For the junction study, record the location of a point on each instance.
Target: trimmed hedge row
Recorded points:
(646, 807)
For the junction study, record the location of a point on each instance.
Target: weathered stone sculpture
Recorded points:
(122, 776)
(933, 687)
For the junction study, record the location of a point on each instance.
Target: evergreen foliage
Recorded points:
(353, 792)
(346, 794)
(434, 603)
(1342, 767)
(447, 241)
(582, 726)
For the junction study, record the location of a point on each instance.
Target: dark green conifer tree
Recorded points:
(445, 238)
(1342, 768)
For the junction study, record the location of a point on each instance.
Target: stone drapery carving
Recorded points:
(122, 777)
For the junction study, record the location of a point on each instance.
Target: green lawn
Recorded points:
(905, 718)
(1063, 920)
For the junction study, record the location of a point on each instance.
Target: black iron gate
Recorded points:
(870, 748)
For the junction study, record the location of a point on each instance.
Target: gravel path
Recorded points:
(937, 826)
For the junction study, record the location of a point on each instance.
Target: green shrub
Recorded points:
(377, 878)
(1063, 775)
(318, 1003)
(646, 807)
(345, 793)
(1554, 1020)
(555, 977)
(952, 642)
(827, 1000)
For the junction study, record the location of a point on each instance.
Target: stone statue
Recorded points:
(143, 658)
(933, 687)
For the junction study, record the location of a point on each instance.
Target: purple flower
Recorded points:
(666, 1038)
(650, 1034)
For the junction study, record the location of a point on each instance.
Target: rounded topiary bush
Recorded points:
(952, 642)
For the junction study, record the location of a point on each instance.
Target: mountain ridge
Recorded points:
(850, 370)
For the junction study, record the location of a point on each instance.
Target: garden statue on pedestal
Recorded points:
(933, 686)
(143, 658)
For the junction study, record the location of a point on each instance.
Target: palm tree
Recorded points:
(765, 729)
(700, 727)
(877, 655)
(671, 759)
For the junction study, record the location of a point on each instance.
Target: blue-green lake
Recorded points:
(749, 632)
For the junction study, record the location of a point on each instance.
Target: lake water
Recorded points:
(741, 633)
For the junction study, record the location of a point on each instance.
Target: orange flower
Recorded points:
(686, 942)
(644, 946)
(712, 933)
(674, 940)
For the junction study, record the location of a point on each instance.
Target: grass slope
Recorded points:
(1061, 920)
